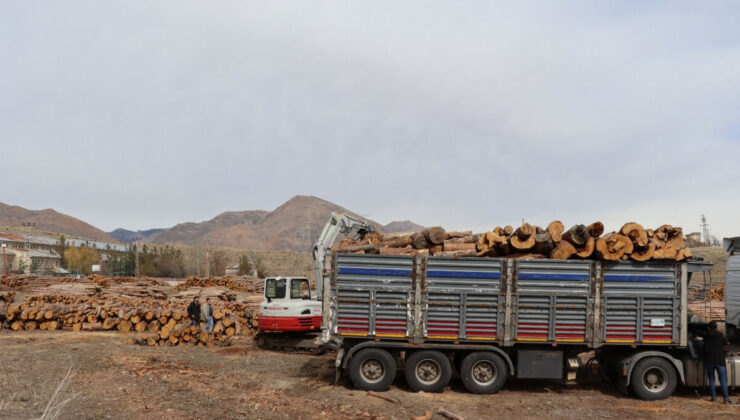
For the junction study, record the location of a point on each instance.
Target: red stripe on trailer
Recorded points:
(569, 335)
(289, 323)
(442, 323)
(482, 334)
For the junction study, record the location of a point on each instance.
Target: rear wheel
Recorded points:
(372, 369)
(483, 372)
(428, 371)
(654, 378)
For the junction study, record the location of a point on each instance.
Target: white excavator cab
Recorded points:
(289, 306)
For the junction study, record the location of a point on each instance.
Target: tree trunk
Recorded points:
(556, 229)
(563, 251)
(636, 233)
(577, 235)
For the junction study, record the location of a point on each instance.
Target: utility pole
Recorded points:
(5, 267)
(197, 259)
(705, 230)
(136, 250)
(208, 262)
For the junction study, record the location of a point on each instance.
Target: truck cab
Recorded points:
(289, 306)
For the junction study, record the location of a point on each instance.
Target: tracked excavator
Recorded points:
(290, 314)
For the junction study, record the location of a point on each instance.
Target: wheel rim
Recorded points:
(484, 372)
(372, 370)
(655, 379)
(428, 371)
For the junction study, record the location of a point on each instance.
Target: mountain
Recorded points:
(125, 235)
(50, 220)
(294, 226)
(403, 226)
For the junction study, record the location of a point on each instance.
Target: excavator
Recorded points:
(290, 314)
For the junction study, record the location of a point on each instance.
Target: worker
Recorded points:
(194, 311)
(713, 357)
(206, 315)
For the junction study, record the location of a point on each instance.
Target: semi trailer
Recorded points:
(491, 319)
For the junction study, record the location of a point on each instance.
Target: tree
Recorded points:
(170, 262)
(81, 259)
(245, 265)
(61, 246)
(218, 261)
(261, 269)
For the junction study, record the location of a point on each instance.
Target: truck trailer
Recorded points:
(490, 319)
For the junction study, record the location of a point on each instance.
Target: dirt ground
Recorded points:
(113, 379)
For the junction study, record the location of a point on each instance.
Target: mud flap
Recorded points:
(337, 375)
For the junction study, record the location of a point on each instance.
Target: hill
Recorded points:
(294, 226)
(403, 226)
(125, 235)
(50, 220)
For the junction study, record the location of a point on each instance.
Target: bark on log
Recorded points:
(435, 235)
(462, 246)
(577, 235)
(419, 240)
(595, 229)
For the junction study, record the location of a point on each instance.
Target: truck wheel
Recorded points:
(483, 372)
(654, 378)
(428, 371)
(372, 369)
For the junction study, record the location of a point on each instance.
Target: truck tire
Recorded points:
(428, 371)
(484, 372)
(654, 378)
(372, 369)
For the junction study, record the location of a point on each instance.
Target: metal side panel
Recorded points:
(641, 302)
(551, 300)
(461, 298)
(732, 290)
(374, 295)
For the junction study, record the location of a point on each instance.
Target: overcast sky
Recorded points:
(461, 114)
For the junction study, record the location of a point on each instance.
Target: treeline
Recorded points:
(158, 261)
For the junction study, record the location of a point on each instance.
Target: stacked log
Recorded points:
(631, 242)
(717, 293)
(163, 323)
(226, 282)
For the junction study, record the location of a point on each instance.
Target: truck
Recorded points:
(491, 319)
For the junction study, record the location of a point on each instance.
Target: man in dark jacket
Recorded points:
(713, 357)
(194, 311)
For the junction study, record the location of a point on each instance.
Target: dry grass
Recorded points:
(715, 255)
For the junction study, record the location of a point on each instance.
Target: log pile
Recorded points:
(156, 322)
(631, 242)
(717, 293)
(226, 282)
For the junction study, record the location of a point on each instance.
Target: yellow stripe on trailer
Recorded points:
(620, 341)
(658, 341)
(445, 337)
(355, 334)
(570, 340)
(530, 339)
(391, 335)
(481, 338)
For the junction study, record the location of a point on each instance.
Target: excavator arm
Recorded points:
(337, 223)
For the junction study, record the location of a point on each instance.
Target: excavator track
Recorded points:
(303, 343)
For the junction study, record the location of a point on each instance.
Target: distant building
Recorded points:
(232, 270)
(694, 239)
(27, 253)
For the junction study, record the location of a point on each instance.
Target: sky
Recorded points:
(467, 115)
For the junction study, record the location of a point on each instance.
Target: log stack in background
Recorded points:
(631, 242)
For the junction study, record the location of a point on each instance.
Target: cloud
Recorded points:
(143, 114)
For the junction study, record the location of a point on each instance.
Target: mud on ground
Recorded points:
(112, 379)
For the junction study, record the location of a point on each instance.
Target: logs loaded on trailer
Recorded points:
(631, 242)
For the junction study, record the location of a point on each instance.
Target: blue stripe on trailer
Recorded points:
(464, 274)
(537, 276)
(622, 277)
(374, 271)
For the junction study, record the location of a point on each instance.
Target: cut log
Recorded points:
(508, 230)
(453, 246)
(613, 246)
(396, 251)
(556, 229)
(577, 235)
(419, 240)
(153, 326)
(563, 250)
(109, 323)
(586, 250)
(543, 242)
(523, 238)
(457, 235)
(595, 229)
(397, 243)
(683, 253)
(124, 325)
(644, 253)
(435, 235)
(636, 233)
(92, 326)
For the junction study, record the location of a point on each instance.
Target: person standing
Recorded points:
(194, 311)
(713, 357)
(206, 315)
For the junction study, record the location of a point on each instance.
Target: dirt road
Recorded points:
(112, 379)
